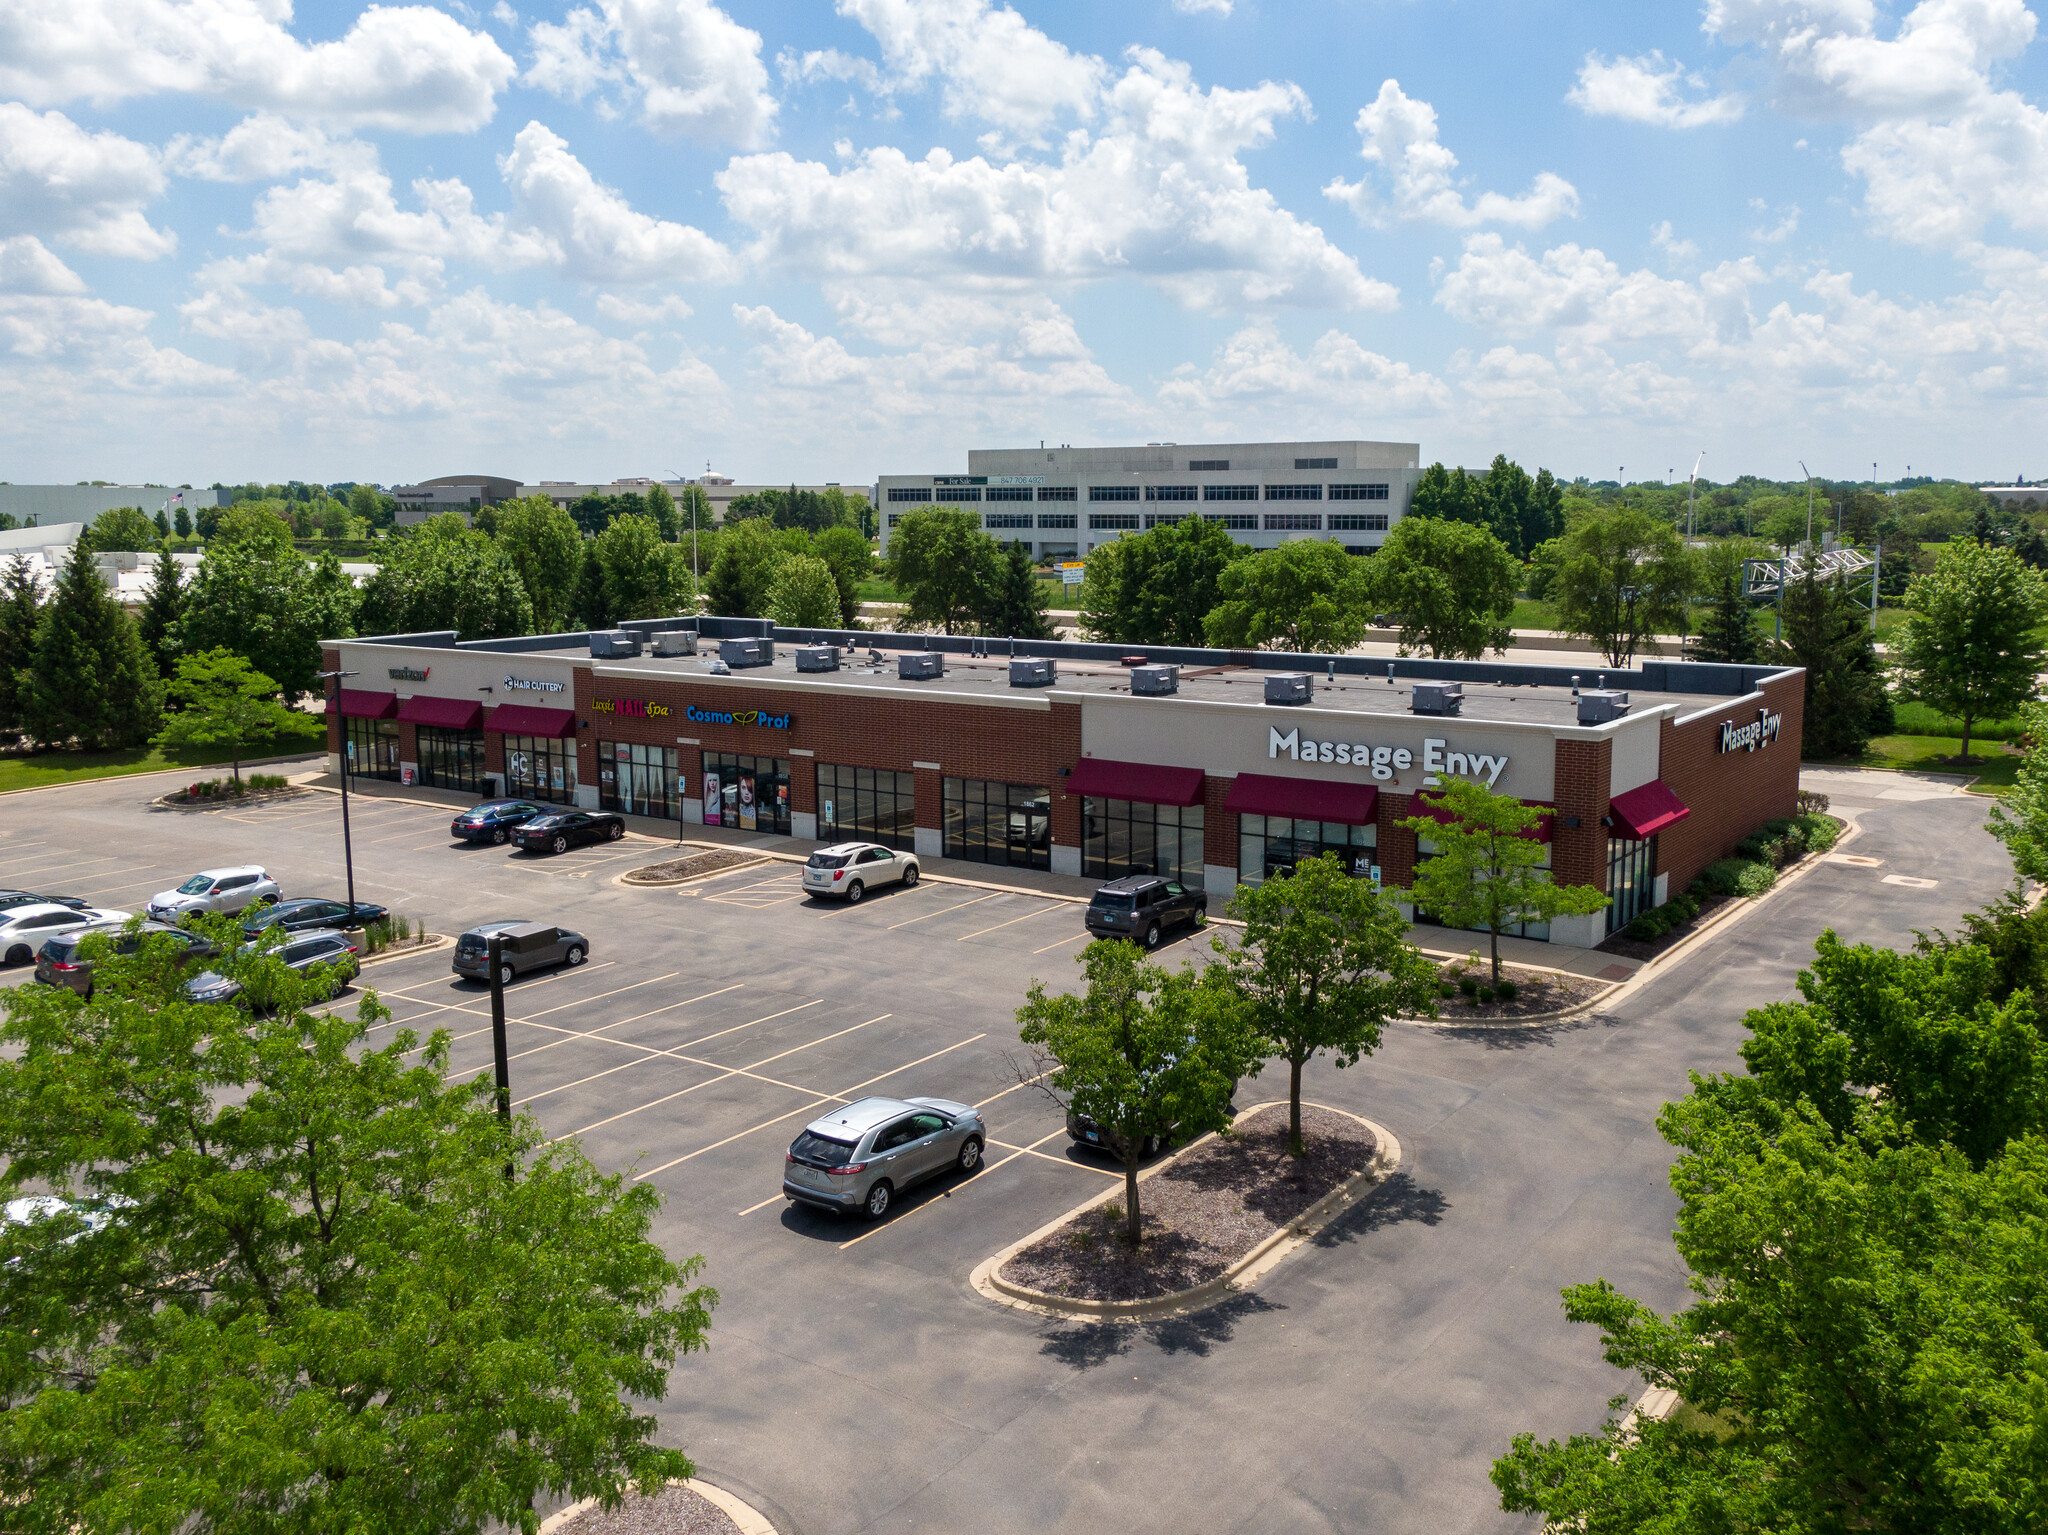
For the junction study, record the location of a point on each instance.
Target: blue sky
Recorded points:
(240, 239)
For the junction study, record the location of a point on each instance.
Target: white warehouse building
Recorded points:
(1062, 502)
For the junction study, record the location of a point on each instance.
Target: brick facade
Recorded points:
(1578, 854)
(1729, 794)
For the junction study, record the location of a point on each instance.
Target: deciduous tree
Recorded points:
(122, 527)
(1970, 647)
(1622, 578)
(802, 595)
(1157, 587)
(1306, 596)
(643, 578)
(748, 554)
(1451, 583)
(220, 700)
(545, 547)
(851, 559)
(446, 576)
(88, 680)
(945, 566)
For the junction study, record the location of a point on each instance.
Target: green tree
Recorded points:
(643, 578)
(181, 521)
(1157, 587)
(161, 610)
(1828, 632)
(1321, 963)
(205, 521)
(1729, 632)
(802, 595)
(21, 604)
(446, 576)
(123, 527)
(1487, 874)
(1623, 577)
(661, 506)
(1015, 606)
(162, 525)
(589, 604)
(1543, 514)
(851, 559)
(222, 701)
(88, 679)
(546, 549)
(1449, 493)
(324, 1305)
(946, 567)
(259, 599)
(362, 502)
(1509, 495)
(1306, 596)
(1970, 649)
(1145, 1053)
(2019, 818)
(1453, 585)
(264, 524)
(748, 554)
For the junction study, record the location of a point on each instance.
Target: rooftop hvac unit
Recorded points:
(738, 653)
(614, 642)
(1155, 681)
(1034, 672)
(1288, 688)
(1597, 708)
(1439, 697)
(817, 658)
(921, 665)
(675, 642)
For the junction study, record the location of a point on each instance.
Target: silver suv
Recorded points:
(215, 890)
(860, 1157)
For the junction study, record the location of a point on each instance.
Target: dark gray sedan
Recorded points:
(862, 1156)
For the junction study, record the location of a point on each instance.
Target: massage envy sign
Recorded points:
(1385, 761)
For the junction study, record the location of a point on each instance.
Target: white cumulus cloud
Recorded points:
(692, 69)
(1649, 90)
(1257, 382)
(84, 190)
(1400, 135)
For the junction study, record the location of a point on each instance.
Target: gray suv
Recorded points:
(525, 946)
(1144, 906)
(861, 1156)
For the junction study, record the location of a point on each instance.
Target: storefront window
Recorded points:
(1120, 837)
(1007, 823)
(1271, 845)
(750, 793)
(1631, 879)
(452, 759)
(540, 767)
(867, 805)
(638, 780)
(1540, 931)
(369, 748)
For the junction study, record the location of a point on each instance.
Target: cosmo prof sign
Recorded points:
(1758, 733)
(757, 717)
(1438, 761)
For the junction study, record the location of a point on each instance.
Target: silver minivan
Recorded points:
(861, 1156)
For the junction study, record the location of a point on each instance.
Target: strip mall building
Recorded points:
(1076, 768)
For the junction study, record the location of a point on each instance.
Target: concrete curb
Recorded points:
(226, 802)
(750, 1519)
(436, 942)
(987, 1280)
(631, 883)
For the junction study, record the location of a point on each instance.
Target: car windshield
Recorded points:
(827, 860)
(822, 1150)
(268, 915)
(1114, 900)
(198, 884)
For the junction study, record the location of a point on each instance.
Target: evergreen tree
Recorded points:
(21, 603)
(163, 524)
(661, 506)
(1827, 631)
(1729, 632)
(181, 523)
(1506, 493)
(161, 610)
(1015, 607)
(1544, 517)
(587, 604)
(89, 681)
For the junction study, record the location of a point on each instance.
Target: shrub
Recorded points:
(1643, 930)
(268, 781)
(1811, 803)
(1755, 879)
(1725, 877)
(1485, 994)
(1446, 989)
(1505, 989)
(1468, 984)
(1821, 832)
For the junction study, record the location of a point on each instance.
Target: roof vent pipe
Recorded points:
(1575, 684)
(1390, 674)
(1333, 668)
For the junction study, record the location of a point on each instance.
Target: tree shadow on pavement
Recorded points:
(1087, 1345)
(1494, 1037)
(1393, 1203)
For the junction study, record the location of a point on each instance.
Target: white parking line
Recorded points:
(1011, 923)
(939, 913)
(1031, 1150)
(1063, 942)
(61, 863)
(534, 1018)
(570, 1037)
(458, 1007)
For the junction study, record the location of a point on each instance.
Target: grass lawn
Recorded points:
(1995, 771)
(33, 771)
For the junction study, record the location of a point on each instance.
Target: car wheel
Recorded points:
(909, 876)
(877, 1203)
(970, 1155)
(1200, 918)
(616, 830)
(500, 836)
(575, 956)
(1152, 936)
(17, 955)
(505, 973)
(561, 844)
(855, 891)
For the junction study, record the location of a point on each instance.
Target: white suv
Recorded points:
(215, 890)
(851, 869)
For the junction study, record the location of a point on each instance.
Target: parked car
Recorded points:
(560, 830)
(1085, 1132)
(850, 869)
(862, 1156)
(23, 929)
(494, 819)
(302, 951)
(303, 913)
(58, 962)
(1144, 906)
(233, 889)
(76, 1218)
(11, 898)
(525, 946)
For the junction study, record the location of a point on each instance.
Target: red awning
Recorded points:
(360, 704)
(1303, 799)
(1438, 812)
(527, 720)
(448, 713)
(1645, 811)
(1136, 780)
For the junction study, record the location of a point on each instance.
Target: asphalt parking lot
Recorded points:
(1366, 1384)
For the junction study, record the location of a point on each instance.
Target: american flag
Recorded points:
(177, 498)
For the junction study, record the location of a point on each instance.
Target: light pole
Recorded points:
(1809, 503)
(694, 576)
(1628, 597)
(348, 853)
(1691, 489)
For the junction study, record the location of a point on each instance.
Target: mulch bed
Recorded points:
(179, 800)
(691, 866)
(1635, 948)
(1200, 1214)
(1536, 991)
(672, 1511)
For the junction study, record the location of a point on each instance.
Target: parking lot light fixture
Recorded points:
(348, 853)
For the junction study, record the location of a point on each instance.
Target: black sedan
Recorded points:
(494, 820)
(560, 830)
(25, 898)
(304, 913)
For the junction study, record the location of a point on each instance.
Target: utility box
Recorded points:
(1597, 707)
(921, 665)
(1155, 681)
(1439, 697)
(675, 642)
(817, 658)
(1034, 672)
(1289, 688)
(739, 653)
(613, 643)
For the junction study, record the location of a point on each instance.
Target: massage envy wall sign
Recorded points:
(1384, 761)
